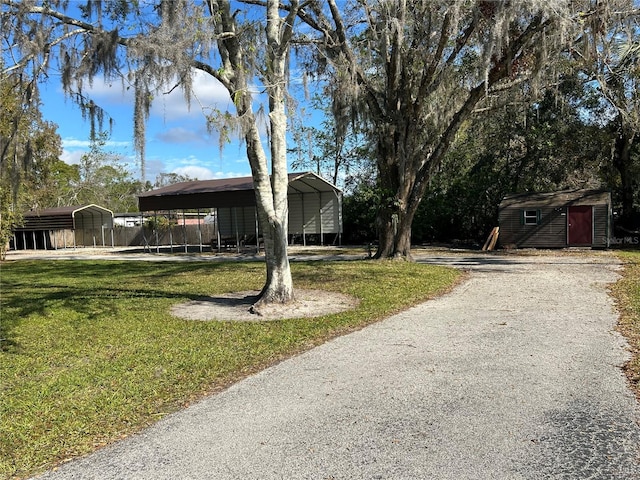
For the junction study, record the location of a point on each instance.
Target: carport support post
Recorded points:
(257, 232)
(155, 225)
(170, 234)
(235, 218)
(33, 234)
(199, 232)
(218, 229)
(184, 232)
(304, 222)
(320, 219)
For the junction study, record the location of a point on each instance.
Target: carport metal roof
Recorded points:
(67, 218)
(227, 192)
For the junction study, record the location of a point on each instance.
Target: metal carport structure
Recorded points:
(39, 227)
(315, 206)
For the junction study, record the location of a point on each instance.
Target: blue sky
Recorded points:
(177, 137)
(177, 140)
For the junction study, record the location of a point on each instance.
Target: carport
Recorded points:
(89, 225)
(315, 207)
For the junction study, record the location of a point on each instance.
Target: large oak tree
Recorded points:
(414, 71)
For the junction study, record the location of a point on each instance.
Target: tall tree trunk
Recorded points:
(272, 208)
(270, 189)
(622, 161)
(272, 193)
(400, 198)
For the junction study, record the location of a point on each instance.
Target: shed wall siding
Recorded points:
(601, 216)
(551, 232)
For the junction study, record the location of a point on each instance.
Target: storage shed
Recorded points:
(315, 206)
(568, 218)
(86, 225)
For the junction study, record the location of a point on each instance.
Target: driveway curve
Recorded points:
(515, 374)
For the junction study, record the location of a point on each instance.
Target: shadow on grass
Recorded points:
(92, 289)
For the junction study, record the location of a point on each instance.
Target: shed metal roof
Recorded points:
(226, 192)
(557, 199)
(67, 218)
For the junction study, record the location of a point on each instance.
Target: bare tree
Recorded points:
(155, 47)
(416, 70)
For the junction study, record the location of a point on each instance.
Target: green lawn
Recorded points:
(89, 352)
(627, 293)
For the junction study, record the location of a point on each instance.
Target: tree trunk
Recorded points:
(270, 189)
(394, 234)
(272, 193)
(272, 208)
(401, 198)
(278, 287)
(622, 161)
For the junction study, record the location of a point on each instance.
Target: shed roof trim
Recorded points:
(63, 218)
(203, 186)
(559, 198)
(67, 211)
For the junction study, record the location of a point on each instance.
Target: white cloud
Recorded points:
(72, 158)
(169, 104)
(208, 94)
(110, 92)
(194, 171)
(70, 142)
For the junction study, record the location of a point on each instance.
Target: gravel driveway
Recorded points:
(513, 375)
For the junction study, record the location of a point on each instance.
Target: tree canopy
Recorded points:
(415, 71)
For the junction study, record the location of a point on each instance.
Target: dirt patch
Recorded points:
(235, 306)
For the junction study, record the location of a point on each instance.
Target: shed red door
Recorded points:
(580, 225)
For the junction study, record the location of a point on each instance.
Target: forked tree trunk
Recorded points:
(270, 184)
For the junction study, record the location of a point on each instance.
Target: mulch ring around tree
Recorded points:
(236, 306)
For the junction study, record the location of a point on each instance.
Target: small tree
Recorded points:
(29, 151)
